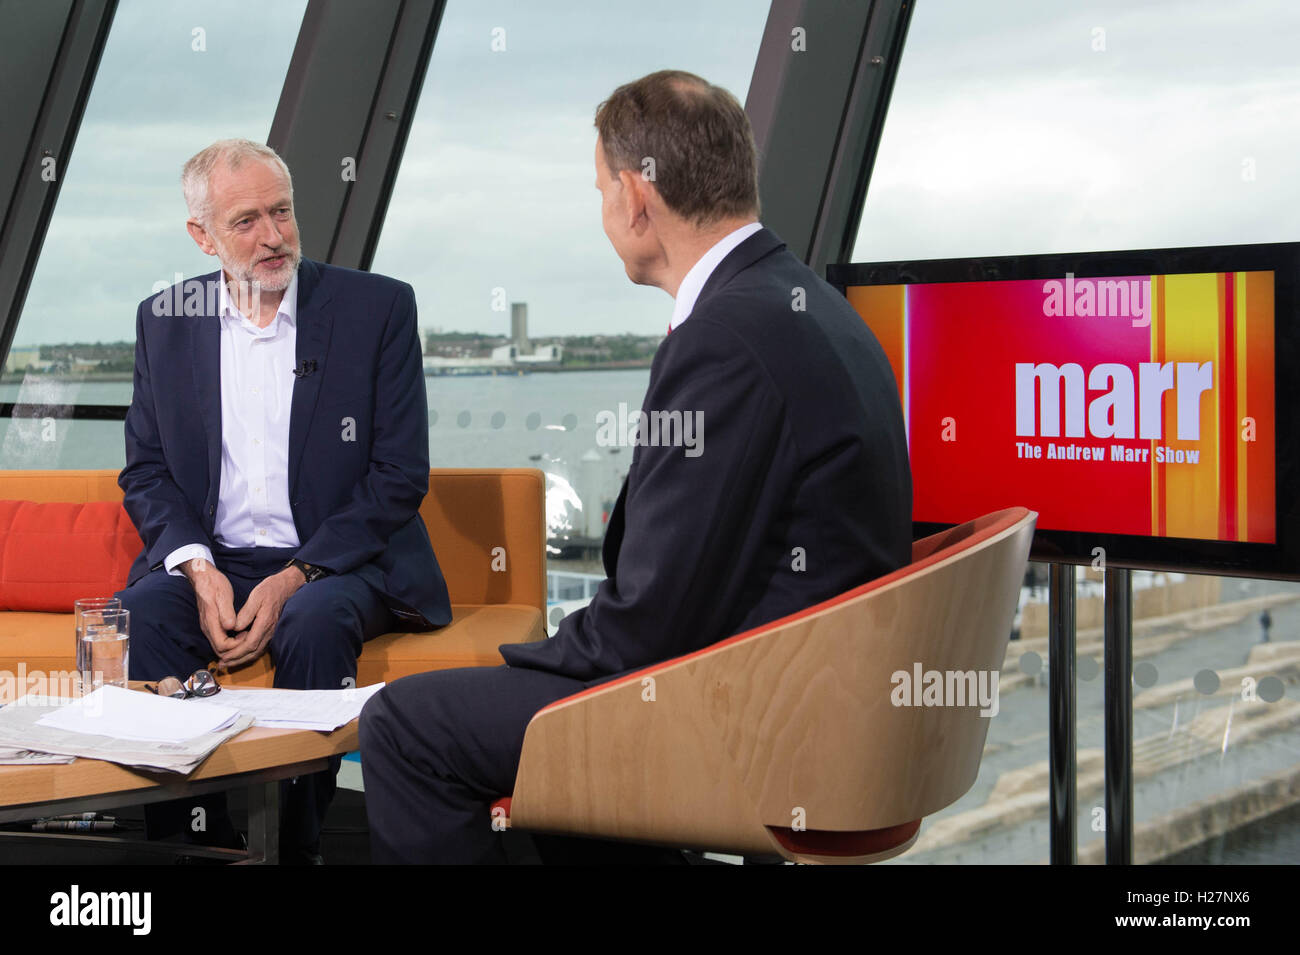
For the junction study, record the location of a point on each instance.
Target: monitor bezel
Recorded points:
(1233, 558)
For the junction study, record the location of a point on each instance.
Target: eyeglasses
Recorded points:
(201, 684)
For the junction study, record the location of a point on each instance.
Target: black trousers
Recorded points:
(315, 647)
(437, 749)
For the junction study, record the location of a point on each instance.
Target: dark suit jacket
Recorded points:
(802, 491)
(355, 503)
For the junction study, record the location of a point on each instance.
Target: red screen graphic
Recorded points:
(1127, 404)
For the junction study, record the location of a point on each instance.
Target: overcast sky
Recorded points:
(1008, 132)
(497, 187)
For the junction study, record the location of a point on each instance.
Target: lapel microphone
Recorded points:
(306, 366)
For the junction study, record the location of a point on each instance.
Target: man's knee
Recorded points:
(166, 639)
(420, 728)
(162, 609)
(158, 595)
(318, 617)
(374, 731)
(319, 635)
(465, 724)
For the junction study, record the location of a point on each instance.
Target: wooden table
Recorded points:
(257, 759)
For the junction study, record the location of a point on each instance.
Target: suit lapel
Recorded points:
(614, 534)
(205, 351)
(312, 344)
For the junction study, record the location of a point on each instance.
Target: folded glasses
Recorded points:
(201, 684)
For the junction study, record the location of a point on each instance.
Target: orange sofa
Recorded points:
(488, 531)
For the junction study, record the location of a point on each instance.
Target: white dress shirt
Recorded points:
(693, 282)
(256, 394)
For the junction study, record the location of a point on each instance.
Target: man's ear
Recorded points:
(200, 236)
(636, 190)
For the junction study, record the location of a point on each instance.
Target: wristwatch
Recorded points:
(310, 571)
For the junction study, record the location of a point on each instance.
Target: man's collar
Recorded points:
(288, 302)
(693, 282)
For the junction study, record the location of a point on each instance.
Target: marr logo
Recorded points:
(1122, 412)
(103, 908)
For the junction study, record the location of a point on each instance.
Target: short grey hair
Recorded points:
(233, 153)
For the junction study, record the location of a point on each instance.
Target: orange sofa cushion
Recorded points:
(38, 648)
(53, 554)
(488, 530)
(475, 517)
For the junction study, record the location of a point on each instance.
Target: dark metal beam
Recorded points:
(817, 102)
(12, 409)
(49, 53)
(348, 101)
(1119, 716)
(1062, 754)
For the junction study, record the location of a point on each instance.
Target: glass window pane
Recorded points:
(495, 215)
(1029, 127)
(1022, 127)
(1214, 751)
(1214, 718)
(40, 443)
(174, 77)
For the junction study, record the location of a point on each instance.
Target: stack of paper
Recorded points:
(14, 756)
(25, 757)
(322, 710)
(121, 726)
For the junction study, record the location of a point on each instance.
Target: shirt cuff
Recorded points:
(181, 554)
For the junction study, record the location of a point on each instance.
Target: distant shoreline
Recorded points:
(18, 377)
(596, 366)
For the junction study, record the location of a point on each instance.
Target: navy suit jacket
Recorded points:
(802, 488)
(355, 502)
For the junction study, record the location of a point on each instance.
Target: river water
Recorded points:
(548, 421)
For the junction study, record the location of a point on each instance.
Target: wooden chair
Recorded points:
(790, 738)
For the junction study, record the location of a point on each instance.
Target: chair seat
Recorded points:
(43, 642)
(870, 845)
(859, 846)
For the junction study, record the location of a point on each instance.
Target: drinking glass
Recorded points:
(103, 632)
(94, 608)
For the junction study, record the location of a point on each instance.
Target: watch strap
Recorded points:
(309, 571)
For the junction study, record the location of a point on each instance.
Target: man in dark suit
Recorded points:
(276, 458)
(793, 487)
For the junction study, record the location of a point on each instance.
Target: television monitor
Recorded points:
(1144, 403)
